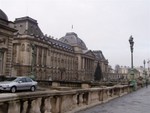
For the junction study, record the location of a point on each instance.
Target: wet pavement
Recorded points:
(136, 102)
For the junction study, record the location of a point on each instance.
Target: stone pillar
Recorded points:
(57, 107)
(66, 103)
(105, 95)
(74, 101)
(81, 99)
(100, 95)
(47, 105)
(14, 107)
(3, 107)
(109, 92)
(89, 98)
(24, 107)
(35, 106)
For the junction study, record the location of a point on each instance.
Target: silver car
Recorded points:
(20, 83)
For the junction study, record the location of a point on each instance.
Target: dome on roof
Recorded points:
(3, 16)
(73, 39)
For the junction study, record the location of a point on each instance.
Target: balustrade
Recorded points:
(59, 101)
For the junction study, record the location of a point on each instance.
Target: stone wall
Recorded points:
(59, 101)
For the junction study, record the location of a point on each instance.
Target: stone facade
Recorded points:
(45, 58)
(6, 38)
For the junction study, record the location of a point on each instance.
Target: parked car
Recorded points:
(19, 83)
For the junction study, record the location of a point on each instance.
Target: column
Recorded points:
(1, 63)
(37, 60)
(83, 63)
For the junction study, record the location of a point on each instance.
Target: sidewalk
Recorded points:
(136, 102)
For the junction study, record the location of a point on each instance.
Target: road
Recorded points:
(136, 102)
(39, 89)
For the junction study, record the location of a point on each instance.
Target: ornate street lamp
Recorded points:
(132, 71)
(131, 47)
(144, 62)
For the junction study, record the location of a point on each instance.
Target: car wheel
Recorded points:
(13, 89)
(32, 88)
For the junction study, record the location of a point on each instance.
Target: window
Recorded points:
(23, 80)
(28, 80)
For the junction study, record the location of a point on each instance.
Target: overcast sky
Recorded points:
(102, 24)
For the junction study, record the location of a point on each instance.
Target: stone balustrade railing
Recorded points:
(53, 101)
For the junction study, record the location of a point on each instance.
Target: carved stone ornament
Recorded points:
(2, 40)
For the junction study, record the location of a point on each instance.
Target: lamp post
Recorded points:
(132, 71)
(131, 48)
(144, 65)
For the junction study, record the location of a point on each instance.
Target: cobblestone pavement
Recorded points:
(136, 102)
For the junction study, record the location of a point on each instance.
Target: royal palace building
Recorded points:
(6, 45)
(26, 51)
